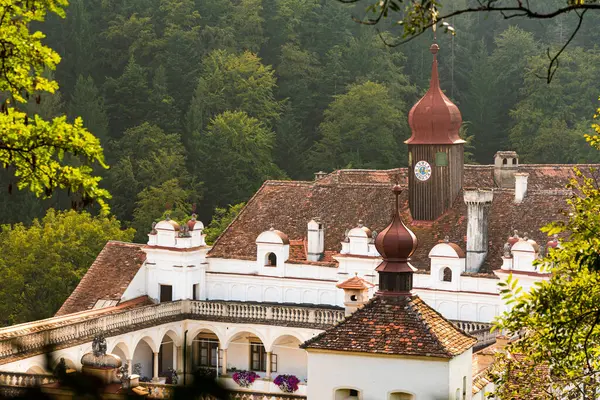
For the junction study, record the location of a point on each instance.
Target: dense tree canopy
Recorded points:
(298, 69)
(42, 263)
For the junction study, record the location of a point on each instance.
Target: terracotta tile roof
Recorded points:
(107, 278)
(343, 197)
(398, 326)
(355, 283)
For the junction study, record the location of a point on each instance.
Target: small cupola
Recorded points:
(356, 293)
(272, 250)
(164, 233)
(360, 241)
(396, 243)
(524, 253)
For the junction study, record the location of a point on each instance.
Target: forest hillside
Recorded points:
(197, 102)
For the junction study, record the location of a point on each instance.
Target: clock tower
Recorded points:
(435, 151)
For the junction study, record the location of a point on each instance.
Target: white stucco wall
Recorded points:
(375, 377)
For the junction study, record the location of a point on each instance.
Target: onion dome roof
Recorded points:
(396, 243)
(434, 119)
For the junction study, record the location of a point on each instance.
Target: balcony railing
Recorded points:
(160, 391)
(37, 337)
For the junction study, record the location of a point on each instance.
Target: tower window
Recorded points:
(441, 159)
(271, 260)
(514, 161)
(505, 161)
(447, 275)
(353, 297)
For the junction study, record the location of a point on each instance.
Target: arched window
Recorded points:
(505, 161)
(347, 394)
(447, 275)
(401, 396)
(514, 161)
(271, 260)
(353, 297)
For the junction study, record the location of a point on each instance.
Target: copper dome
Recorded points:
(396, 243)
(434, 119)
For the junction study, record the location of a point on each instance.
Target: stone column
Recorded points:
(478, 208)
(224, 362)
(175, 356)
(268, 373)
(155, 369)
(179, 363)
(129, 367)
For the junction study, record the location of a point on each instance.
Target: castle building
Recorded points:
(311, 279)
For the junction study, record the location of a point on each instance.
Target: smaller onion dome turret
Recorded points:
(396, 243)
(514, 238)
(167, 225)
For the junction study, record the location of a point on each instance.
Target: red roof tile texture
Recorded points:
(344, 197)
(107, 278)
(403, 325)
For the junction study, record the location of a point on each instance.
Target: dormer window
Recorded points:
(271, 260)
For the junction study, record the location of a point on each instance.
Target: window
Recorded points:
(505, 161)
(353, 297)
(514, 161)
(401, 396)
(441, 159)
(347, 394)
(208, 353)
(195, 291)
(258, 357)
(447, 275)
(271, 260)
(464, 388)
(166, 293)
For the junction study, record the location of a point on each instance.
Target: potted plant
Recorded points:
(287, 383)
(245, 378)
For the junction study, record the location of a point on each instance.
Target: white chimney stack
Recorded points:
(478, 206)
(520, 186)
(316, 240)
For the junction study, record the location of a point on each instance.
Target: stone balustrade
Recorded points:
(18, 379)
(63, 332)
(161, 391)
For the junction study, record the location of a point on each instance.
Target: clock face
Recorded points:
(422, 170)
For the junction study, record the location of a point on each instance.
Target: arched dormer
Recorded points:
(524, 253)
(447, 264)
(272, 251)
(360, 241)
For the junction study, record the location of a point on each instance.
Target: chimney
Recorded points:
(319, 175)
(316, 240)
(506, 163)
(478, 206)
(520, 186)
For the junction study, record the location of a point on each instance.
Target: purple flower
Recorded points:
(287, 383)
(245, 378)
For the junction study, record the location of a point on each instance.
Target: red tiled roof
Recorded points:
(395, 326)
(345, 196)
(107, 278)
(355, 283)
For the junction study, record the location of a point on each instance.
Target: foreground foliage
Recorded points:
(559, 320)
(34, 149)
(42, 263)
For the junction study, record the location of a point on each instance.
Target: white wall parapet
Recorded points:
(34, 338)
